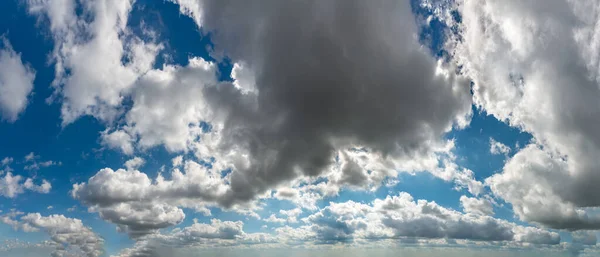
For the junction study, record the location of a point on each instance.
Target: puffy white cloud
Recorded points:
(118, 139)
(43, 188)
(169, 105)
(16, 82)
(462, 177)
(275, 219)
(477, 206)
(135, 163)
(69, 236)
(98, 32)
(243, 78)
(139, 219)
(140, 205)
(401, 216)
(292, 215)
(534, 65)
(397, 218)
(498, 147)
(533, 190)
(216, 234)
(13, 185)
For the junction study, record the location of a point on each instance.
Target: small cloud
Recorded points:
(497, 148)
(38, 165)
(50, 207)
(6, 161)
(134, 163)
(31, 156)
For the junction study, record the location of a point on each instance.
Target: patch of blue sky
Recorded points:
(472, 144)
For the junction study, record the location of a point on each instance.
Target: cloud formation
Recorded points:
(69, 236)
(535, 66)
(93, 30)
(13, 185)
(16, 82)
(395, 217)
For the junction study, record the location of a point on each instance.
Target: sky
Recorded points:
(150, 128)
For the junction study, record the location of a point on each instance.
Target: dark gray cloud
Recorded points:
(328, 75)
(311, 81)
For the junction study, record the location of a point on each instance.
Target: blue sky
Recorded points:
(171, 128)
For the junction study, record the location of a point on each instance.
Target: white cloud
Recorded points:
(69, 236)
(38, 165)
(292, 215)
(140, 205)
(534, 65)
(395, 218)
(98, 32)
(243, 78)
(498, 148)
(275, 219)
(13, 185)
(16, 82)
(118, 139)
(463, 178)
(216, 234)
(135, 163)
(31, 157)
(477, 206)
(43, 188)
(32, 162)
(169, 105)
(6, 161)
(402, 216)
(177, 161)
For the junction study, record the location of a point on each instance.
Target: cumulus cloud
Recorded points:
(534, 65)
(395, 217)
(118, 139)
(216, 234)
(498, 147)
(402, 216)
(93, 30)
(69, 236)
(135, 163)
(477, 206)
(16, 82)
(140, 205)
(13, 185)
